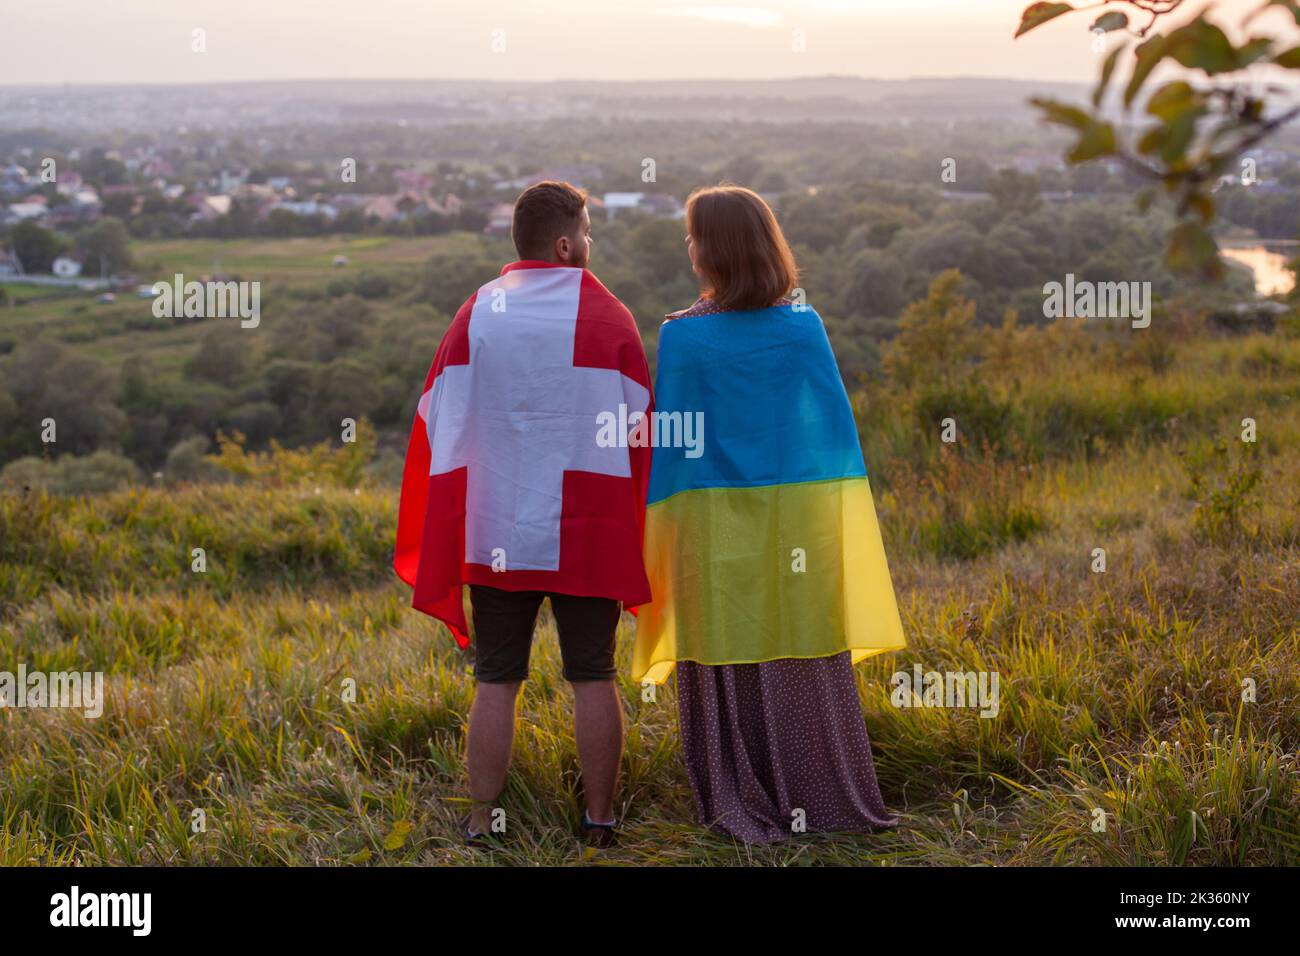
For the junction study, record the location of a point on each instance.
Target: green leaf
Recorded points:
(1148, 55)
(1036, 14)
(1107, 70)
(1098, 139)
(1172, 99)
(1203, 205)
(1202, 45)
(1181, 131)
(1192, 250)
(397, 836)
(1289, 59)
(1062, 113)
(1152, 140)
(1116, 20)
(1256, 49)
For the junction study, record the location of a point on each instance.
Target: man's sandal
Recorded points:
(598, 835)
(481, 841)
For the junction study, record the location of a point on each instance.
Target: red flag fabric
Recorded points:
(519, 473)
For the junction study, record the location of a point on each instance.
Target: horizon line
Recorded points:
(81, 84)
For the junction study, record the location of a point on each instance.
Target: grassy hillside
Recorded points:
(1121, 691)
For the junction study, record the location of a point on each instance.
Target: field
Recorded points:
(1163, 692)
(127, 328)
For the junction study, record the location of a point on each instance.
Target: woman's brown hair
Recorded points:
(740, 252)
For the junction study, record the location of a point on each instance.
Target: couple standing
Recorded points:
(752, 557)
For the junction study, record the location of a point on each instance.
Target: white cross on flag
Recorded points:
(505, 482)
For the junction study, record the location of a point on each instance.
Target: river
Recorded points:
(1267, 260)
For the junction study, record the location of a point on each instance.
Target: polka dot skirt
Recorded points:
(764, 741)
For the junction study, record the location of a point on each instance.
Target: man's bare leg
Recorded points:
(598, 729)
(491, 734)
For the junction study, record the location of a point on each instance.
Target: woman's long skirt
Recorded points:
(763, 742)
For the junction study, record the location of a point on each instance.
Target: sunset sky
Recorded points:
(149, 41)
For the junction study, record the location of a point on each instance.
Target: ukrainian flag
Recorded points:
(761, 541)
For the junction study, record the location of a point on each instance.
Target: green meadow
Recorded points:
(284, 706)
(287, 268)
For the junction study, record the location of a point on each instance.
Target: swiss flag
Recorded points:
(506, 481)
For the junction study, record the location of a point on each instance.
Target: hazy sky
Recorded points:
(149, 41)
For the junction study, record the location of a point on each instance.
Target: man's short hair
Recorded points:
(544, 212)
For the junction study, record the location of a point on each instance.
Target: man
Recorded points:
(508, 489)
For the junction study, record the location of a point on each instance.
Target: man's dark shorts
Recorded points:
(503, 633)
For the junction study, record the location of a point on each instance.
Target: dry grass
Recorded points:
(1120, 691)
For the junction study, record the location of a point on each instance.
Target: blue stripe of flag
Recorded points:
(775, 409)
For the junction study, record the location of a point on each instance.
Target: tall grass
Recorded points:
(285, 706)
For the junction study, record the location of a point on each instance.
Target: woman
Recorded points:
(764, 556)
